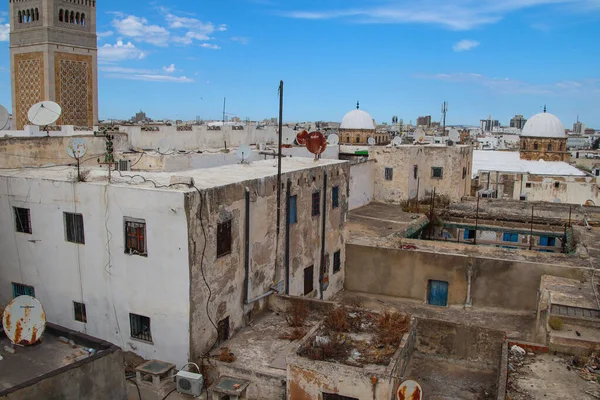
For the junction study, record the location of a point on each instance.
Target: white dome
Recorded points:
(544, 125)
(357, 119)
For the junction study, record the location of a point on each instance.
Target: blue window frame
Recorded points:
(335, 197)
(469, 234)
(20, 289)
(510, 237)
(547, 241)
(292, 210)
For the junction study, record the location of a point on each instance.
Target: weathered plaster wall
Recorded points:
(225, 275)
(406, 273)
(456, 162)
(99, 273)
(98, 379)
(361, 184)
(41, 151)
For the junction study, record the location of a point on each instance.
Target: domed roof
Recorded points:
(544, 125)
(357, 119)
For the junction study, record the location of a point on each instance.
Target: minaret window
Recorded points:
(549, 147)
(20, 17)
(60, 15)
(82, 20)
(536, 146)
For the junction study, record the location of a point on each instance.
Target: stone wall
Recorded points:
(547, 149)
(225, 275)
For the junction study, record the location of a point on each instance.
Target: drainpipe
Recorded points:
(287, 238)
(469, 302)
(323, 227)
(247, 249)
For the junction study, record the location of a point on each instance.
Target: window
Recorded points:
(60, 15)
(223, 330)
(308, 279)
(469, 234)
(337, 261)
(535, 146)
(437, 172)
(528, 185)
(358, 139)
(293, 210)
(415, 171)
(223, 238)
(523, 197)
(335, 197)
(316, 202)
(74, 228)
(556, 185)
(549, 147)
(510, 237)
(20, 289)
(135, 237)
(389, 174)
(80, 314)
(348, 139)
(464, 172)
(547, 241)
(22, 220)
(140, 327)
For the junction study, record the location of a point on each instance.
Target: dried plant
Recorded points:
(297, 313)
(296, 334)
(336, 320)
(390, 328)
(226, 355)
(556, 323)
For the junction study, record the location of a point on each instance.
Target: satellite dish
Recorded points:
(44, 113)
(316, 143)
(371, 141)
(302, 137)
(454, 135)
(24, 320)
(409, 390)
(288, 137)
(77, 148)
(163, 146)
(3, 117)
(419, 136)
(333, 139)
(244, 152)
(397, 141)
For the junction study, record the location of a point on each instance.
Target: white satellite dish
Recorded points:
(333, 139)
(419, 136)
(163, 146)
(24, 320)
(288, 137)
(371, 141)
(244, 152)
(409, 390)
(77, 148)
(44, 113)
(397, 141)
(3, 117)
(454, 135)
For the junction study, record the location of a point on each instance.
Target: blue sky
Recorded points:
(178, 59)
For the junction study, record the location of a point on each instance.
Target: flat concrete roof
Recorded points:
(570, 292)
(379, 220)
(204, 178)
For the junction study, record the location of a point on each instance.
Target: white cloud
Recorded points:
(465, 45)
(123, 70)
(455, 15)
(170, 69)
(139, 29)
(4, 31)
(119, 52)
(209, 46)
(104, 34)
(153, 78)
(240, 39)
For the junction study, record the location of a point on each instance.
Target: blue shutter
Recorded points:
(506, 237)
(293, 216)
(466, 234)
(543, 241)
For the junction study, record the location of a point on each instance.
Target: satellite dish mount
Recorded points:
(76, 149)
(44, 114)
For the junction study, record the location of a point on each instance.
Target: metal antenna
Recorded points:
(444, 112)
(224, 103)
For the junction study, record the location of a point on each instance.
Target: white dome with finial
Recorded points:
(544, 125)
(357, 119)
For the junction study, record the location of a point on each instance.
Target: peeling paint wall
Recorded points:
(225, 275)
(456, 162)
(362, 184)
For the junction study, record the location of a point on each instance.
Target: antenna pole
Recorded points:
(224, 103)
(279, 158)
(444, 111)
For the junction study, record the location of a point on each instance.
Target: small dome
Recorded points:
(357, 119)
(544, 125)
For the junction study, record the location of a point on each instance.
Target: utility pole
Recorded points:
(224, 103)
(444, 112)
(279, 160)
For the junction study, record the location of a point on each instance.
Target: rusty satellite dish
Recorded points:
(24, 320)
(409, 390)
(302, 137)
(3, 117)
(316, 143)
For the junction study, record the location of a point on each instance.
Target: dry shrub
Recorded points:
(390, 328)
(226, 355)
(297, 313)
(296, 334)
(336, 320)
(556, 323)
(336, 349)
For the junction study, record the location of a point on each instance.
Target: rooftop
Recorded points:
(204, 178)
(570, 292)
(510, 161)
(382, 220)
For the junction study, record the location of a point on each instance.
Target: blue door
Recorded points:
(438, 293)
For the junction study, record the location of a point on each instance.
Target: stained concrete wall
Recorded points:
(41, 151)
(225, 275)
(362, 185)
(456, 162)
(406, 273)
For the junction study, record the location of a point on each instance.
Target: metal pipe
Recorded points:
(247, 249)
(476, 221)
(323, 230)
(287, 237)
(279, 144)
(262, 296)
(468, 303)
(531, 231)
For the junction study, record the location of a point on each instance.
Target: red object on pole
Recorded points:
(302, 137)
(316, 143)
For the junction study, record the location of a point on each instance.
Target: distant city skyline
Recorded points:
(178, 60)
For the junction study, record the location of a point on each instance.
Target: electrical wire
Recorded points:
(136, 385)
(167, 395)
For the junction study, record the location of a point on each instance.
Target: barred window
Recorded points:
(140, 327)
(79, 310)
(74, 228)
(22, 220)
(135, 237)
(223, 238)
(316, 203)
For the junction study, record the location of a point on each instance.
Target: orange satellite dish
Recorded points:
(409, 390)
(302, 137)
(316, 143)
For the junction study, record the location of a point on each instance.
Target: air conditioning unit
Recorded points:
(124, 165)
(189, 383)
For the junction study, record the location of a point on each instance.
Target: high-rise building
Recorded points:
(53, 52)
(578, 127)
(488, 125)
(424, 121)
(518, 121)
